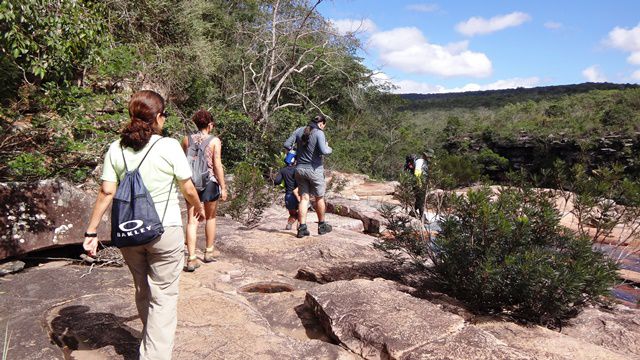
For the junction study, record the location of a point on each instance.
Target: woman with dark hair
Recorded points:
(156, 265)
(312, 146)
(203, 143)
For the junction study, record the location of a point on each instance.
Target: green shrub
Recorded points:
(511, 255)
(28, 166)
(454, 171)
(249, 195)
(52, 39)
(119, 62)
(491, 162)
(236, 132)
(503, 253)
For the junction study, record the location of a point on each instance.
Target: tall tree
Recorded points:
(289, 54)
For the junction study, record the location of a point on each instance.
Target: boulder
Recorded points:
(617, 330)
(377, 321)
(44, 214)
(11, 267)
(368, 213)
(542, 343)
(215, 325)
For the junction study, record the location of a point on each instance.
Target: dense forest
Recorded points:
(498, 98)
(264, 67)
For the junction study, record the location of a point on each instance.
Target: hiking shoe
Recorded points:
(210, 256)
(192, 265)
(289, 226)
(303, 231)
(324, 228)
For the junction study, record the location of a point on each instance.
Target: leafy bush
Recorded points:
(51, 39)
(454, 171)
(491, 162)
(507, 254)
(510, 254)
(250, 195)
(28, 166)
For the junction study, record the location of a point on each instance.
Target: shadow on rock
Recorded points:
(312, 326)
(76, 328)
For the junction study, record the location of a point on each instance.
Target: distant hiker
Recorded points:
(421, 172)
(410, 163)
(418, 166)
(422, 164)
(203, 152)
(311, 147)
(291, 195)
(156, 265)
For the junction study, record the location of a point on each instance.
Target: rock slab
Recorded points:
(376, 321)
(43, 215)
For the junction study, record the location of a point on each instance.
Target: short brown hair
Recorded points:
(202, 118)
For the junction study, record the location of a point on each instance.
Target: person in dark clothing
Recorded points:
(291, 196)
(410, 163)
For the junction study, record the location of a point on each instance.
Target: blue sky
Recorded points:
(453, 45)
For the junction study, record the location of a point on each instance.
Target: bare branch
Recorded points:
(310, 101)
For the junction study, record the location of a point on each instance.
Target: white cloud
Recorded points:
(500, 84)
(479, 26)
(351, 26)
(407, 49)
(634, 58)
(593, 74)
(411, 86)
(553, 25)
(627, 40)
(423, 7)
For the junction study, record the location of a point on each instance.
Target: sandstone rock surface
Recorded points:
(256, 302)
(376, 321)
(42, 215)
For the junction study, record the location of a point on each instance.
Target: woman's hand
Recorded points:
(90, 245)
(199, 214)
(223, 194)
(191, 196)
(105, 195)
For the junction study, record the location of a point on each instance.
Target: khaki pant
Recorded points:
(156, 269)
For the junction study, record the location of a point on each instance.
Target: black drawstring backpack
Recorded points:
(134, 219)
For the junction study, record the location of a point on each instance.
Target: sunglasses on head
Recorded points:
(165, 114)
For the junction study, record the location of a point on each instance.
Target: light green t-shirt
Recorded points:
(165, 163)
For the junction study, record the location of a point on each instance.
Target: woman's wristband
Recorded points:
(87, 234)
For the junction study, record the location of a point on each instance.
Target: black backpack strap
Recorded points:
(126, 168)
(167, 204)
(123, 159)
(148, 151)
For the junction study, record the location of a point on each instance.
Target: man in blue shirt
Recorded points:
(311, 148)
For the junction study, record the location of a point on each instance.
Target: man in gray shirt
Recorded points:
(311, 147)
